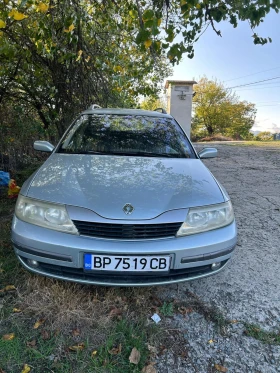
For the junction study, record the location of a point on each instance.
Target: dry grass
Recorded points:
(64, 303)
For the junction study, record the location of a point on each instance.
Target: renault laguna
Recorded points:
(124, 200)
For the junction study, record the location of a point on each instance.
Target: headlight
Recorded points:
(201, 219)
(44, 214)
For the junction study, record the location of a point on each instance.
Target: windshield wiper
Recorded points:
(81, 152)
(148, 154)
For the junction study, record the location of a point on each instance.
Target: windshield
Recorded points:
(126, 135)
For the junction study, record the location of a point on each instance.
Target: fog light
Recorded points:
(215, 266)
(32, 263)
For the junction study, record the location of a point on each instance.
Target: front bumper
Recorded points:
(60, 255)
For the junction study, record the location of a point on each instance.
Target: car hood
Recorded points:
(104, 184)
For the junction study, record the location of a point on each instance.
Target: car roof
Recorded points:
(126, 112)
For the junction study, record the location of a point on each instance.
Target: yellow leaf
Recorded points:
(94, 353)
(2, 24)
(78, 347)
(26, 369)
(41, 7)
(198, 6)
(8, 288)
(87, 59)
(148, 43)
(79, 55)
(38, 323)
(70, 28)
(159, 21)
(8, 337)
(16, 310)
(17, 15)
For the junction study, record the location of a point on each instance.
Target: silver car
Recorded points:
(124, 200)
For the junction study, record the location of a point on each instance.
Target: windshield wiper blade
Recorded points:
(167, 155)
(81, 152)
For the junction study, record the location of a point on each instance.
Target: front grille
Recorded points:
(127, 231)
(106, 277)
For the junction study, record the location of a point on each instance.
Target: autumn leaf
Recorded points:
(45, 335)
(184, 310)
(220, 368)
(134, 357)
(115, 312)
(2, 24)
(70, 28)
(148, 43)
(17, 310)
(17, 15)
(79, 55)
(116, 350)
(76, 332)
(149, 369)
(78, 347)
(8, 288)
(38, 323)
(26, 368)
(31, 344)
(93, 354)
(8, 337)
(42, 7)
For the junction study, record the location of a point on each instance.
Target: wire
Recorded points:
(259, 81)
(245, 76)
(253, 89)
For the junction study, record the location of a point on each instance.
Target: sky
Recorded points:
(234, 59)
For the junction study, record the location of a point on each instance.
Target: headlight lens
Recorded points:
(44, 214)
(202, 219)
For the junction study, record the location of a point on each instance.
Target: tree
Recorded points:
(160, 21)
(218, 110)
(61, 56)
(152, 103)
(264, 136)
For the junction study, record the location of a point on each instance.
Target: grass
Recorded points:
(53, 354)
(105, 319)
(262, 144)
(252, 330)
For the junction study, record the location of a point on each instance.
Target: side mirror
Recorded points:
(43, 146)
(208, 153)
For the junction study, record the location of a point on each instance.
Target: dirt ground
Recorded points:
(248, 290)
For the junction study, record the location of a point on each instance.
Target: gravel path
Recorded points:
(248, 290)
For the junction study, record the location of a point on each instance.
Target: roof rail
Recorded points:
(95, 106)
(161, 110)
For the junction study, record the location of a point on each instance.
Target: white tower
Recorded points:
(179, 101)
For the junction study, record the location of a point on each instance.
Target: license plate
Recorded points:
(126, 263)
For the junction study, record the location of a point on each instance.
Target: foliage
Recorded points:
(19, 128)
(160, 21)
(264, 136)
(219, 111)
(61, 56)
(151, 103)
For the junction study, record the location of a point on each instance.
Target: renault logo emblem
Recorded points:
(128, 209)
